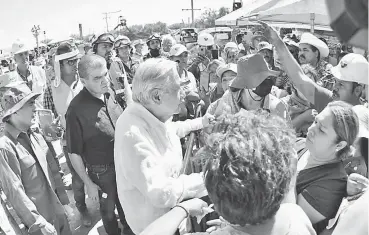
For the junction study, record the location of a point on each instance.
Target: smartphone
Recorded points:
(215, 54)
(46, 117)
(205, 80)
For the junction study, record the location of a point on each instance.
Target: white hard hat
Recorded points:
(230, 45)
(20, 47)
(205, 39)
(352, 68)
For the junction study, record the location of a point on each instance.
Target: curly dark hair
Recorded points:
(251, 165)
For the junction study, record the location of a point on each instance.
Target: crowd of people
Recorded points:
(282, 143)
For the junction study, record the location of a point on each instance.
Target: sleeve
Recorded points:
(141, 167)
(12, 186)
(322, 97)
(49, 100)
(185, 127)
(193, 85)
(115, 72)
(74, 133)
(325, 196)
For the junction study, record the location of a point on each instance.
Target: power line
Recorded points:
(106, 18)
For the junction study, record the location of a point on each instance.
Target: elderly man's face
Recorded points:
(171, 99)
(139, 48)
(167, 45)
(97, 82)
(22, 58)
(24, 117)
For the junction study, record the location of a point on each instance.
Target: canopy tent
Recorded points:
(232, 18)
(298, 12)
(54, 41)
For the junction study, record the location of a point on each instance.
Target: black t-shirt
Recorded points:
(89, 130)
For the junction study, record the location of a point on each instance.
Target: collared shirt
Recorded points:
(148, 161)
(27, 177)
(90, 125)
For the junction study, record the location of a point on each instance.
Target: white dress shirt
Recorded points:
(148, 160)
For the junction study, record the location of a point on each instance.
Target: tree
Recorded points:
(223, 11)
(207, 19)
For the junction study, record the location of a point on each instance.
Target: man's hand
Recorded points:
(194, 206)
(270, 33)
(48, 229)
(93, 191)
(207, 119)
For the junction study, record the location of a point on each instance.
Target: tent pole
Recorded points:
(312, 18)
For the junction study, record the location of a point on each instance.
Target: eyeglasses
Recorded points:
(72, 62)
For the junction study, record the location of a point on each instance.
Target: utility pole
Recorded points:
(106, 18)
(192, 12)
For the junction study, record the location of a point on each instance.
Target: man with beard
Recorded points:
(312, 51)
(351, 76)
(154, 44)
(103, 46)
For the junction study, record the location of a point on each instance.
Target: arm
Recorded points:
(141, 166)
(292, 68)
(167, 224)
(185, 127)
(12, 186)
(310, 211)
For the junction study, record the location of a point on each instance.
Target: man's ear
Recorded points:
(156, 96)
(358, 90)
(83, 81)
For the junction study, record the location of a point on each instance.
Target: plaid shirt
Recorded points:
(48, 99)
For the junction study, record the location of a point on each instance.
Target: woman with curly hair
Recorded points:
(321, 181)
(250, 172)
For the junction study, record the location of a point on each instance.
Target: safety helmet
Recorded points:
(122, 41)
(205, 39)
(155, 36)
(105, 37)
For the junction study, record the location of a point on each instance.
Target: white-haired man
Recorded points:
(148, 154)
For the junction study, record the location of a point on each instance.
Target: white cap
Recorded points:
(205, 39)
(177, 49)
(230, 45)
(308, 38)
(20, 47)
(352, 68)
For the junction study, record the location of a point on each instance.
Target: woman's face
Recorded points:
(321, 137)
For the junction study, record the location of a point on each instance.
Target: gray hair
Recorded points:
(152, 77)
(89, 62)
(168, 38)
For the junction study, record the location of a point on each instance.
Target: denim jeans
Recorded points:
(78, 186)
(104, 177)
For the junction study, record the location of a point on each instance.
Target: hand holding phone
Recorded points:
(205, 80)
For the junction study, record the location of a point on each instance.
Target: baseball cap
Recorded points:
(352, 68)
(177, 49)
(252, 71)
(226, 67)
(265, 46)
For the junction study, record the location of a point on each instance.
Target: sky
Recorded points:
(60, 18)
